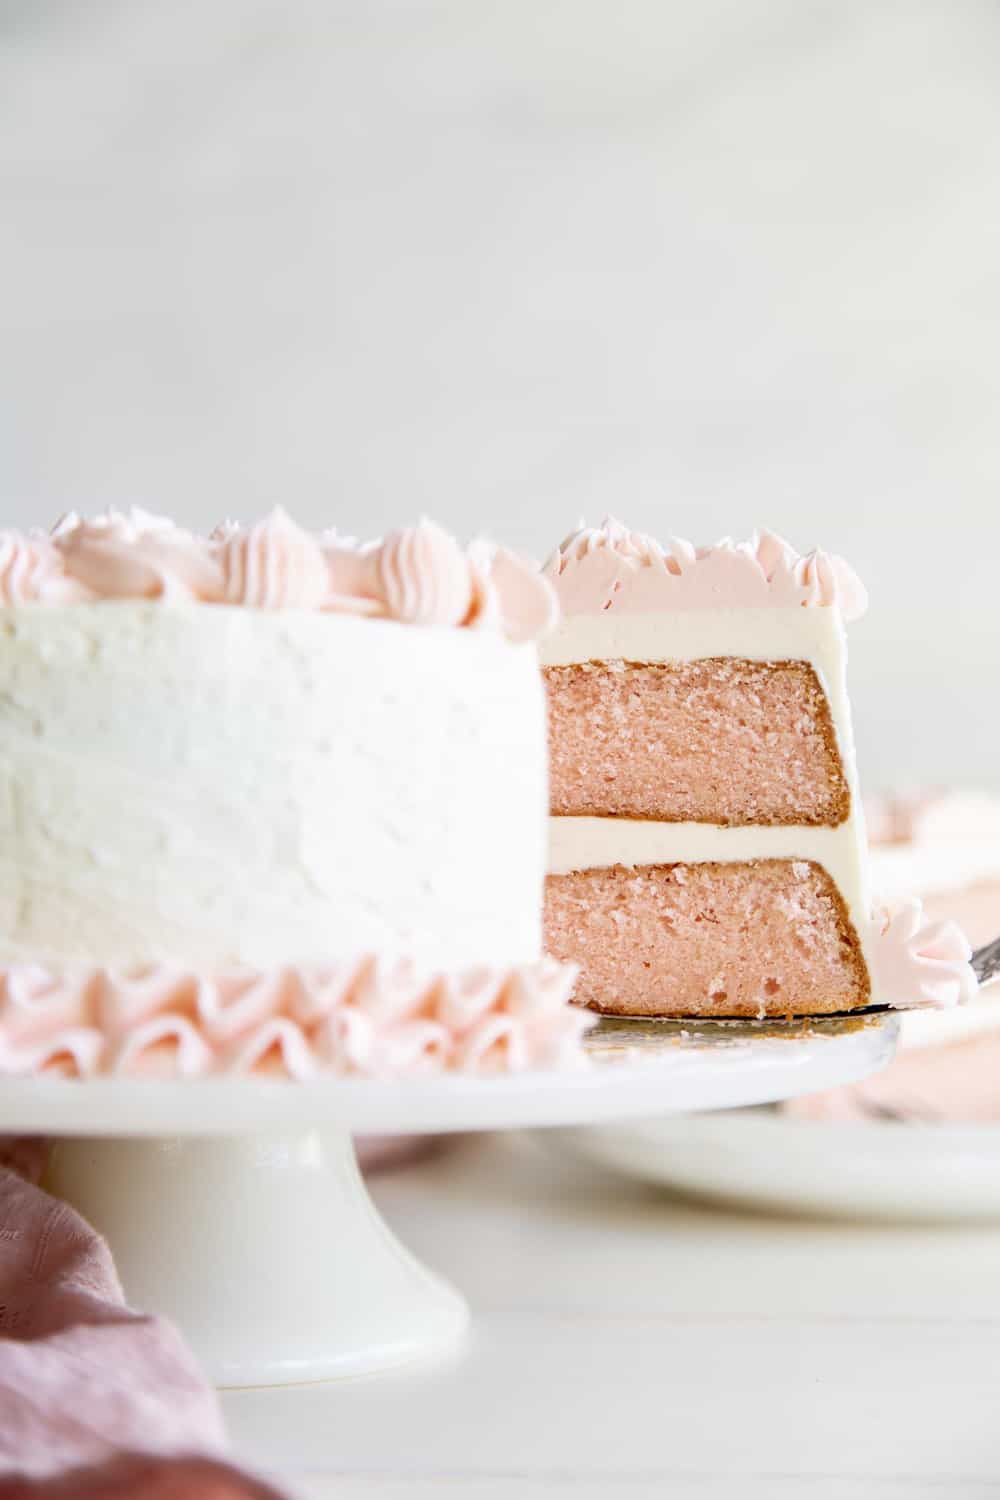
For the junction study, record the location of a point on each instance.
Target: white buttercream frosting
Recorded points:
(212, 785)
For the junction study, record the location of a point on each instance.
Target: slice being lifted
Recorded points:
(708, 853)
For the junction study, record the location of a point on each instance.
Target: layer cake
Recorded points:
(707, 843)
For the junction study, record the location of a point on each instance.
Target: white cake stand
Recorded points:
(235, 1207)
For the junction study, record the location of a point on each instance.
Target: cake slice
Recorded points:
(707, 845)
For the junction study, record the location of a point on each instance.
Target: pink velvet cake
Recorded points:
(679, 930)
(707, 852)
(719, 741)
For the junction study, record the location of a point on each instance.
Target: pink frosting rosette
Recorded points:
(920, 964)
(415, 576)
(135, 555)
(272, 565)
(32, 571)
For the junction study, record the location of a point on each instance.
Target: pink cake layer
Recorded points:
(722, 740)
(761, 938)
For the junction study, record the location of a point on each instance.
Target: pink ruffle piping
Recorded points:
(365, 1017)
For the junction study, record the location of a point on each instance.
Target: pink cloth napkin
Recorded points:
(95, 1400)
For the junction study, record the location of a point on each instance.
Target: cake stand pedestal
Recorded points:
(235, 1206)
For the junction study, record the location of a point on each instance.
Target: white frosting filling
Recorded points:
(814, 635)
(223, 785)
(596, 843)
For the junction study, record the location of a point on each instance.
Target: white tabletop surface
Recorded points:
(626, 1343)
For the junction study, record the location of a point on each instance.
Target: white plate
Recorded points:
(757, 1158)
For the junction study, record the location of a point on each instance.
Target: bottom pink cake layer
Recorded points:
(760, 938)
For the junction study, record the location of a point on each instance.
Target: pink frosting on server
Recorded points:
(417, 576)
(920, 964)
(364, 1017)
(610, 567)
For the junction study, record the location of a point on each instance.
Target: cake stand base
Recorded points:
(235, 1208)
(265, 1249)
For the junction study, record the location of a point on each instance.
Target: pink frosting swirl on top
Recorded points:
(424, 576)
(418, 576)
(273, 565)
(919, 964)
(32, 571)
(513, 590)
(613, 536)
(136, 555)
(352, 575)
(611, 568)
(421, 576)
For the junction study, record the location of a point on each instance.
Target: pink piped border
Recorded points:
(365, 1017)
(416, 576)
(609, 567)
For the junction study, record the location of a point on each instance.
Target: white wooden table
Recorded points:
(625, 1343)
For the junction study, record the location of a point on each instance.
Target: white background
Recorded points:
(704, 265)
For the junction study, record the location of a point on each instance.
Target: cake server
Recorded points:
(986, 962)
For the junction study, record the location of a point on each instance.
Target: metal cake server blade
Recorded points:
(986, 962)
